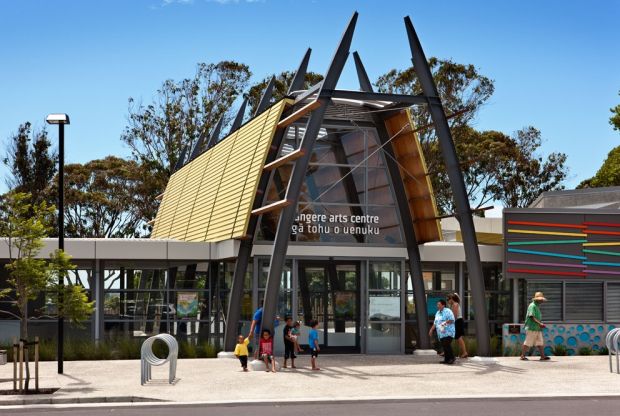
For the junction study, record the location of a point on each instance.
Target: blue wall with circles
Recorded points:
(572, 336)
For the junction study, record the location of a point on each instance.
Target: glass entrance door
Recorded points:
(329, 292)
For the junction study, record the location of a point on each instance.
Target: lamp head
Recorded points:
(57, 118)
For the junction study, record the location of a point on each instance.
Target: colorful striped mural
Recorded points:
(569, 245)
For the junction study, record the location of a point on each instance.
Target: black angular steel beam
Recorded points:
(298, 174)
(180, 160)
(197, 147)
(245, 250)
(300, 75)
(457, 183)
(413, 251)
(215, 134)
(240, 114)
(265, 99)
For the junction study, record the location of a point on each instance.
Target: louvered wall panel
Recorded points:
(613, 302)
(210, 199)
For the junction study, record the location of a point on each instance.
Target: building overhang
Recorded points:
(128, 249)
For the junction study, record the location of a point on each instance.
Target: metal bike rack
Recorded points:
(148, 358)
(612, 341)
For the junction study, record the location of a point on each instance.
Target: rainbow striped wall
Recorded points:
(579, 244)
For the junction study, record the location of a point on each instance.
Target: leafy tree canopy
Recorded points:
(608, 174)
(496, 167)
(109, 197)
(182, 111)
(32, 163)
(23, 226)
(614, 120)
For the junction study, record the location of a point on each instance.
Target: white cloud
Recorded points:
(235, 1)
(169, 2)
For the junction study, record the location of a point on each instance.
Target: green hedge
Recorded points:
(113, 349)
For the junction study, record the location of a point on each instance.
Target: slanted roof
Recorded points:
(210, 198)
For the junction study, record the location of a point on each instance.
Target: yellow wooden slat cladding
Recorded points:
(211, 198)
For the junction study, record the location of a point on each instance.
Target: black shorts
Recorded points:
(244, 361)
(314, 353)
(289, 350)
(459, 328)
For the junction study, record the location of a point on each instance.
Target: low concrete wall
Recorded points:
(573, 336)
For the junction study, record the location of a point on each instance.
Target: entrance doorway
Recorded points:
(329, 291)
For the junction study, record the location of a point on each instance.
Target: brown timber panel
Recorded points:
(408, 153)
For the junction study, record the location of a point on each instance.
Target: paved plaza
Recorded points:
(344, 377)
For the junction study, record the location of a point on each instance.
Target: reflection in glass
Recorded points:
(384, 275)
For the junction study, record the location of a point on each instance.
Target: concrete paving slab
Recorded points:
(343, 377)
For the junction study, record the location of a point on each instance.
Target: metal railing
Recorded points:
(612, 341)
(149, 359)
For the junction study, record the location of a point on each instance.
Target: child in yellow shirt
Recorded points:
(241, 351)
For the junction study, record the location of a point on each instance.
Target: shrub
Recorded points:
(187, 350)
(210, 350)
(126, 348)
(585, 351)
(118, 348)
(603, 351)
(559, 350)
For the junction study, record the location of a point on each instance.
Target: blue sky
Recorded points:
(555, 64)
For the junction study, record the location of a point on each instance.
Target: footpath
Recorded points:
(342, 378)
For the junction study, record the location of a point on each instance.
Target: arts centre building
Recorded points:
(321, 205)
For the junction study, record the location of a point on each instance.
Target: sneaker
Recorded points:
(544, 358)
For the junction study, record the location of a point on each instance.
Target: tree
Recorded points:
(614, 120)
(463, 91)
(495, 166)
(526, 174)
(108, 198)
(608, 174)
(180, 113)
(32, 163)
(23, 225)
(283, 81)
(482, 155)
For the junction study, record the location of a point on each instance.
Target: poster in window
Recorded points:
(344, 305)
(384, 308)
(187, 304)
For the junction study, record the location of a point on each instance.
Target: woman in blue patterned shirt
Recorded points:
(444, 325)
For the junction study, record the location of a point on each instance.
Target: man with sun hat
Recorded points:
(534, 327)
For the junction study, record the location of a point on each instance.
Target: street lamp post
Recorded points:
(60, 120)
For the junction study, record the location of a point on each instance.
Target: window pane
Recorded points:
(384, 275)
(584, 301)
(383, 338)
(387, 230)
(384, 306)
(552, 309)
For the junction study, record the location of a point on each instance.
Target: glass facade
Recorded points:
(384, 307)
(346, 197)
(186, 301)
